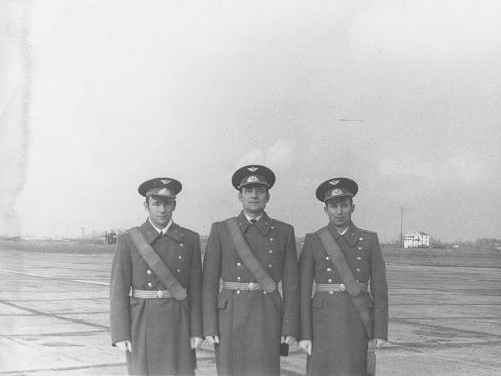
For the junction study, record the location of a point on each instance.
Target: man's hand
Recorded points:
(288, 340)
(195, 342)
(124, 345)
(379, 342)
(212, 339)
(305, 345)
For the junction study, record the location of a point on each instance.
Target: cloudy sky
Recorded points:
(402, 96)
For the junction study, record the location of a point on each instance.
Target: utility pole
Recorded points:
(401, 226)
(83, 232)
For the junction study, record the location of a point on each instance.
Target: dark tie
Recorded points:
(253, 221)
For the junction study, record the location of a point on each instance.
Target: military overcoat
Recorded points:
(159, 329)
(330, 319)
(250, 323)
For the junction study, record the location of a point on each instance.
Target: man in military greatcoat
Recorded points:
(250, 320)
(156, 303)
(348, 313)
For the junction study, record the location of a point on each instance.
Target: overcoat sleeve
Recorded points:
(195, 290)
(290, 289)
(379, 292)
(120, 282)
(306, 275)
(210, 286)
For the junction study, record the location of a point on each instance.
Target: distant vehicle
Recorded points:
(110, 237)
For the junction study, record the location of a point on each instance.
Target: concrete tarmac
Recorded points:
(54, 319)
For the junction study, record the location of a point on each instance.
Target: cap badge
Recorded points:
(165, 181)
(334, 182)
(336, 192)
(252, 169)
(252, 178)
(164, 191)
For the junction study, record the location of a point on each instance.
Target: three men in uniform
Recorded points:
(254, 305)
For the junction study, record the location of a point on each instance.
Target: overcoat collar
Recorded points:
(263, 224)
(150, 234)
(351, 235)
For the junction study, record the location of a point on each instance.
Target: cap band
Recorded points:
(337, 192)
(253, 179)
(161, 191)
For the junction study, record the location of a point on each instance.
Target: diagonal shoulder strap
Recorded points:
(248, 258)
(156, 264)
(343, 269)
(339, 261)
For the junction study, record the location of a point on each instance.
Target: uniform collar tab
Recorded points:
(263, 223)
(151, 234)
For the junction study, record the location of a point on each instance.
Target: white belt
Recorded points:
(147, 294)
(334, 287)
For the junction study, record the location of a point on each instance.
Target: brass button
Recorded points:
(359, 248)
(359, 258)
(179, 270)
(181, 245)
(272, 227)
(331, 292)
(238, 278)
(327, 257)
(270, 251)
(271, 239)
(150, 284)
(329, 280)
(269, 265)
(358, 270)
(238, 291)
(239, 264)
(360, 238)
(180, 257)
(148, 271)
(264, 292)
(329, 269)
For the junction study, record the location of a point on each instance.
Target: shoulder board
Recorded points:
(187, 231)
(280, 222)
(316, 232)
(367, 231)
(129, 230)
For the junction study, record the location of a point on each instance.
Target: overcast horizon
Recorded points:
(404, 97)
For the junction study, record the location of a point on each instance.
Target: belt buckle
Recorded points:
(342, 287)
(160, 294)
(252, 286)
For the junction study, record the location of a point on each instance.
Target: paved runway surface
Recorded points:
(54, 319)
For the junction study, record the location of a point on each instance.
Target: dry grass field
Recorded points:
(444, 312)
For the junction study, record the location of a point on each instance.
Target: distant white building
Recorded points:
(416, 239)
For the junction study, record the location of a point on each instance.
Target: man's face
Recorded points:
(159, 211)
(254, 198)
(339, 211)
